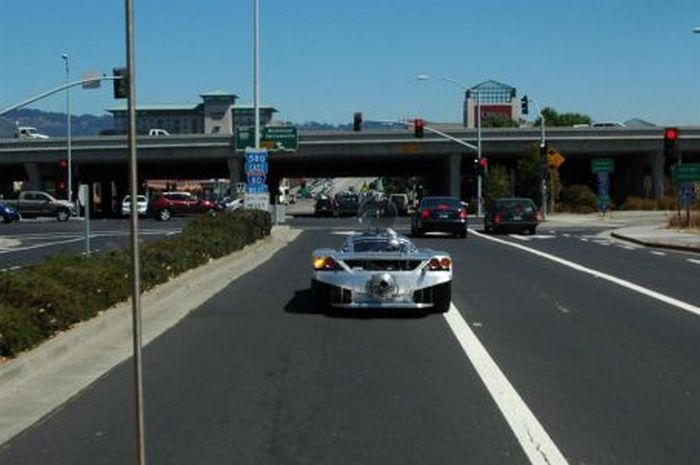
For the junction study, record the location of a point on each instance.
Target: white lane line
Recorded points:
(533, 438)
(599, 274)
(39, 246)
(656, 252)
(627, 247)
(692, 260)
(567, 235)
(519, 237)
(584, 239)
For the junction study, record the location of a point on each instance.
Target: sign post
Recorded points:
(602, 167)
(256, 192)
(84, 199)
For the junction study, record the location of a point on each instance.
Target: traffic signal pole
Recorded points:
(543, 162)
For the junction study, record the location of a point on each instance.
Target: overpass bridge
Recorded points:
(447, 165)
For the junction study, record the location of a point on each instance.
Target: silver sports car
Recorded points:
(381, 269)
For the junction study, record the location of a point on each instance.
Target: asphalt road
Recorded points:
(608, 370)
(30, 241)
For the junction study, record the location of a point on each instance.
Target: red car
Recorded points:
(171, 204)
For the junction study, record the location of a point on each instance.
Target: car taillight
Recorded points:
(463, 213)
(538, 216)
(325, 264)
(497, 218)
(425, 214)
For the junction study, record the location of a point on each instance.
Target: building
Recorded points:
(494, 99)
(216, 114)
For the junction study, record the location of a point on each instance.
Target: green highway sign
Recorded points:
(687, 172)
(271, 137)
(602, 165)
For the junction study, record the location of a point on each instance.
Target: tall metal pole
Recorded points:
(135, 265)
(256, 72)
(479, 199)
(68, 130)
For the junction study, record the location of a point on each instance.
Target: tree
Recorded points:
(529, 180)
(498, 121)
(553, 118)
(497, 183)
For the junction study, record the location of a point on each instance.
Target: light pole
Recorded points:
(68, 130)
(543, 153)
(256, 70)
(425, 77)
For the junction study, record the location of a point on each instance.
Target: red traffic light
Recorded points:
(483, 162)
(671, 134)
(62, 185)
(418, 127)
(63, 164)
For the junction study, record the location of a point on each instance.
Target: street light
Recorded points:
(68, 129)
(479, 199)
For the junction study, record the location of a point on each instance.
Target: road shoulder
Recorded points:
(41, 380)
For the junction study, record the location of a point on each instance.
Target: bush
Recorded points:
(579, 199)
(676, 221)
(43, 299)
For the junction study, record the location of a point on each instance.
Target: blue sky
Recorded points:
(323, 60)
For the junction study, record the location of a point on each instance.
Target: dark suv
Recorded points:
(511, 214)
(171, 204)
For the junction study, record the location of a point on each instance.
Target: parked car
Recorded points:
(171, 204)
(324, 206)
(440, 214)
(511, 214)
(38, 203)
(379, 269)
(8, 214)
(141, 205)
(347, 203)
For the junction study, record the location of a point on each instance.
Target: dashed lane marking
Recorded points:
(656, 252)
(536, 443)
(692, 260)
(599, 274)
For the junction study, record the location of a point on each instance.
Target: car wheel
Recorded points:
(62, 214)
(442, 297)
(321, 296)
(463, 234)
(532, 231)
(164, 215)
(6, 220)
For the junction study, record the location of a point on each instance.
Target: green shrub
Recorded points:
(48, 297)
(579, 199)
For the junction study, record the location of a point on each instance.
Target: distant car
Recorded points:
(401, 202)
(608, 124)
(347, 203)
(158, 132)
(8, 214)
(439, 214)
(171, 204)
(28, 132)
(379, 269)
(141, 205)
(511, 214)
(324, 206)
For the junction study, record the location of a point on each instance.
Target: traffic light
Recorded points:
(483, 166)
(524, 105)
(418, 127)
(671, 156)
(120, 85)
(357, 122)
(63, 175)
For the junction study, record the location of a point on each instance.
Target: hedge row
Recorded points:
(43, 299)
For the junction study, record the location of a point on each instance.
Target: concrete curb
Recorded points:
(658, 243)
(38, 381)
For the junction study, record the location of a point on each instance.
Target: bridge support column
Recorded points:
(657, 175)
(235, 172)
(453, 175)
(33, 176)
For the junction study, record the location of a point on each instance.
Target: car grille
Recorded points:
(383, 265)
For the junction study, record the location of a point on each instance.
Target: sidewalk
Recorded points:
(642, 227)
